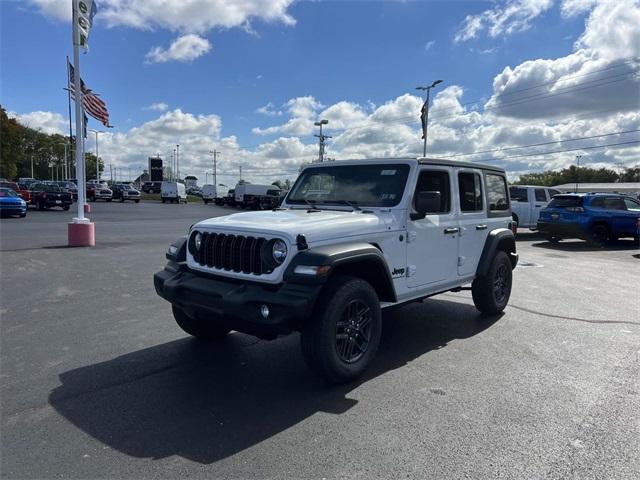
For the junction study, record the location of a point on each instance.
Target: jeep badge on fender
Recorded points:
(350, 239)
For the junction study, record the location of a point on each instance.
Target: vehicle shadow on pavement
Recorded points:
(206, 402)
(583, 246)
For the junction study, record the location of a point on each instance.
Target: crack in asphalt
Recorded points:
(561, 317)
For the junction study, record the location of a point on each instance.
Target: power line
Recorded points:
(539, 144)
(559, 151)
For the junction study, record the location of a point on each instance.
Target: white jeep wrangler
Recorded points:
(350, 239)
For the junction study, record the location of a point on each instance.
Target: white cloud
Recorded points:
(183, 49)
(46, 122)
(600, 75)
(158, 107)
(269, 110)
(511, 17)
(56, 9)
(303, 112)
(571, 8)
(428, 45)
(186, 16)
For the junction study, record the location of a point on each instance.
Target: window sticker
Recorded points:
(388, 172)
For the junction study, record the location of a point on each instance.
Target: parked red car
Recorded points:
(20, 189)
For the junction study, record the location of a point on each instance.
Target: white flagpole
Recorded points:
(80, 170)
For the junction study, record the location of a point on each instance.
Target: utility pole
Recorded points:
(321, 139)
(578, 157)
(240, 172)
(424, 115)
(215, 153)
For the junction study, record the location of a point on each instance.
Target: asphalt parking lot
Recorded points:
(98, 382)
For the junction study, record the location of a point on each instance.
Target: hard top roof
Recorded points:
(419, 160)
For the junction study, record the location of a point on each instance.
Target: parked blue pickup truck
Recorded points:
(596, 217)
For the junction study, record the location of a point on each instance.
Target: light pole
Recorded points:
(97, 161)
(321, 138)
(214, 153)
(578, 157)
(177, 163)
(424, 116)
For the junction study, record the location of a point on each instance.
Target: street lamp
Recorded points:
(424, 117)
(321, 138)
(97, 161)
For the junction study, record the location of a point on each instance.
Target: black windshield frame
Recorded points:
(365, 185)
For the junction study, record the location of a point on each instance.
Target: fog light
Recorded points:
(264, 311)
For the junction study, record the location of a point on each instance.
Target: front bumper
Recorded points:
(238, 303)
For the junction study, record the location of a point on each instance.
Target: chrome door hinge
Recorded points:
(411, 236)
(411, 270)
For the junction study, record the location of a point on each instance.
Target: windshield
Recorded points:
(374, 185)
(7, 192)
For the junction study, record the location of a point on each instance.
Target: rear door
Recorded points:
(432, 249)
(621, 220)
(497, 200)
(472, 216)
(539, 200)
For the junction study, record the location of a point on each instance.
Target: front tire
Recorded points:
(599, 236)
(342, 336)
(491, 292)
(202, 329)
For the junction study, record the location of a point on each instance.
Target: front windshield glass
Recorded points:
(374, 185)
(7, 192)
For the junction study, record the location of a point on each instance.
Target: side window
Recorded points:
(436, 181)
(632, 205)
(597, 202)
(496, 186)
(541, 196)
(470, 192)
(518, 194)
(614, 203)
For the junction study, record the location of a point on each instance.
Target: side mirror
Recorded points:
(426, 202)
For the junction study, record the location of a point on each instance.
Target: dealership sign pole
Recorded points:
(81, 232)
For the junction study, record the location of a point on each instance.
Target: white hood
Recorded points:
(314, 225)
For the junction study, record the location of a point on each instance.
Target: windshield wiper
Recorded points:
(353, 205)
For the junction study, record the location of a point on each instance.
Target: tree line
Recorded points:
(26, 152)
(582, 175)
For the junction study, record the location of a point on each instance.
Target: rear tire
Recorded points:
(491, 292)
(65, 208)
(163, 200)
(341, 338)
(201, 329)
(552, 239)
(137, 201)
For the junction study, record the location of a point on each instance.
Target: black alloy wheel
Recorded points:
(353, 332)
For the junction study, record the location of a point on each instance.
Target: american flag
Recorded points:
(91, 103)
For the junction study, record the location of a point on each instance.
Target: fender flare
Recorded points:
(498, 239)
(342, 256)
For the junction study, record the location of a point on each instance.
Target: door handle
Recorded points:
(451, 230)
(481, 227)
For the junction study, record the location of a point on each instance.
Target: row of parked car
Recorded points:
(245, 195)
(598, 218)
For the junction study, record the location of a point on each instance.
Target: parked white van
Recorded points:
(527, 201)
(173, 192)
(214, 193)
(247, 194)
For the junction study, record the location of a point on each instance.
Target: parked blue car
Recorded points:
(11, 203)
(596, 217)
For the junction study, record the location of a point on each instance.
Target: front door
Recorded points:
(432, 249)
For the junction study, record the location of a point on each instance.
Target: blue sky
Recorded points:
(363, 53)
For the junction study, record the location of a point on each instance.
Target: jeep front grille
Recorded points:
(235, 253)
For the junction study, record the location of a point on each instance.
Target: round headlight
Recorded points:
(197, 240)
(279, 251)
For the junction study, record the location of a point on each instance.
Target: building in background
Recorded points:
(632, 188)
